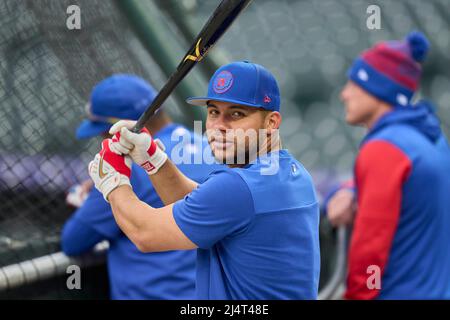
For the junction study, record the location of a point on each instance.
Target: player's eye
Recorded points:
(213, 112)
(237, 114)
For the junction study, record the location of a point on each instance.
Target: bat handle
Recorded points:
(140, 124)
(136, 128)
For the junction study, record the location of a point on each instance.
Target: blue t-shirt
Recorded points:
(257, 234)
(133, 274)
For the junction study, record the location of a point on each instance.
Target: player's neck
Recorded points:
(381, 111)
(262, 152)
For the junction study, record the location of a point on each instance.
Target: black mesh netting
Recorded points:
(46, 74)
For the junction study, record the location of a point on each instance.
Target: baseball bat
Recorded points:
(224, 15)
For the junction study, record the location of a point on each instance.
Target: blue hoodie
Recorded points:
(400, 247)
(421, 116)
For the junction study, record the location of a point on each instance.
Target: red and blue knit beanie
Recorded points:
(391, 70)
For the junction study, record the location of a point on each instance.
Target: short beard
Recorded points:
(248, 154)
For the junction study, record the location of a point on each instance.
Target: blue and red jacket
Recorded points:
(402, 176)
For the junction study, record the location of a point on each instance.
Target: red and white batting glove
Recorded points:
(109, 170)
(142, 148)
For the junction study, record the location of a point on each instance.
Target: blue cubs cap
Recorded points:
(243, 83)
(118, 97)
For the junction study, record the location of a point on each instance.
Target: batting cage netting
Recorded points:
(47, 72)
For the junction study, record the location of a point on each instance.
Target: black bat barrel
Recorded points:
(215, 27)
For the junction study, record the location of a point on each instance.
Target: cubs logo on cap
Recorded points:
(223, 82)
(242, 83)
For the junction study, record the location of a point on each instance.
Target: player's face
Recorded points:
(360, 106)
(233, 131)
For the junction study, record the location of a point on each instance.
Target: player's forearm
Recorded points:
(131, 214)
(150, 229)
(171, 184)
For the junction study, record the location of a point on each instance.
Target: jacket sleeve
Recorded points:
(380, 172)
(90, 224)
(78, 238)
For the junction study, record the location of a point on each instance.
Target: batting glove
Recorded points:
(109, 170)
(142, 148)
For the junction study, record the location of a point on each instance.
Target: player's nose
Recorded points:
(220, 123)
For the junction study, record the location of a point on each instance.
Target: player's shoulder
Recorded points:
(227, 176)
(378, 156)
(277, 182)
(399, 135)
(279, 163)
(275, 169)
(227, 180)
(225, 189)
(293, 164)
(397, 138)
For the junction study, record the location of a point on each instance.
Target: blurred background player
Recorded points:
(132, 274)
(402, 180)
(256, 229)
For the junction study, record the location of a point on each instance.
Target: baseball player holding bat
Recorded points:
(132, 274)
(256, 231)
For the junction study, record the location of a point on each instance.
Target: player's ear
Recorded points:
(273, 120)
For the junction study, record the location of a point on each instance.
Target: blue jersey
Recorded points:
(133, 274)
(257, 234)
